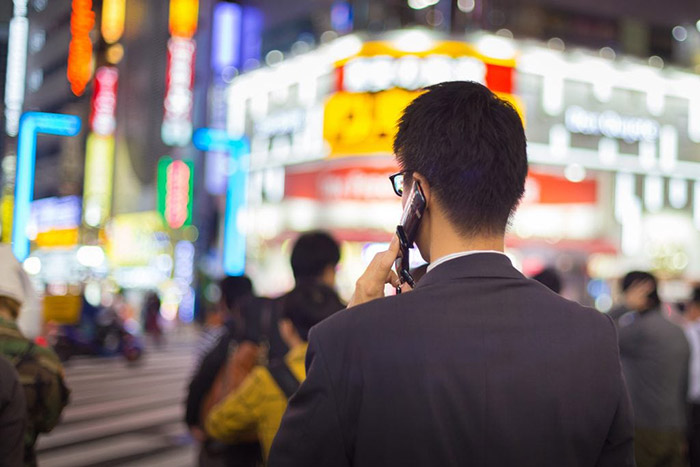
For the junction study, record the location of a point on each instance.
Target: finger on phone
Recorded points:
(393, 279)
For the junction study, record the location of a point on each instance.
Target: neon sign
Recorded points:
(226, 36)
(97, 189)
(175, 191)
(80, 49)
(611, 124)
(31, 124)
(177, 120)
(206, 139)
(104, 101)
(183, 18)
(16, 67)
(113, 13)
(382, 72)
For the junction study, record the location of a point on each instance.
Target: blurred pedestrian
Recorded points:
(13, 416)
(314, 260)
(549, 277)
(692, 332)
(260, 401)
(206, 386)
(39, 368)
(151, 317)
(478, 365)
(655, 354)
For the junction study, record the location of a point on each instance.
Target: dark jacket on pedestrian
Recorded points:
(41, 375)
(655, 358)
(13, 416)
(478, 366)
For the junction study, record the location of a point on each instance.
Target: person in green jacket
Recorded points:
(39, 368)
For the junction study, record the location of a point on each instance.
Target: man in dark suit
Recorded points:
(478, 366)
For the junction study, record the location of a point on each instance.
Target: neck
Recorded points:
(448, 241)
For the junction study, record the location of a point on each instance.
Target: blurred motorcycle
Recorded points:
(106, 337)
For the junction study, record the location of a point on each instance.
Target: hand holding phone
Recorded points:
(407, 231)
(370, 286)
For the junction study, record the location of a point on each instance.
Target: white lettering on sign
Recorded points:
(611, 124)
(104, 103)
(282, 123)
(177, 120)
(382, 72)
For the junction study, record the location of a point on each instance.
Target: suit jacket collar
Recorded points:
(476, 265)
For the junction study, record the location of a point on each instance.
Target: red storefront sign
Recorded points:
(354, 180)
(551, 189)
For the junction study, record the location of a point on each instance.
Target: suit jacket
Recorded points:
(478, 366)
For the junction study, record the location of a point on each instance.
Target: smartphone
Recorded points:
(407, 231)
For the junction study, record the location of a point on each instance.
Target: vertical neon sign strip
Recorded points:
(206, 139)
(113, 14)
(30, 125)
(226, 36)
(183, 18)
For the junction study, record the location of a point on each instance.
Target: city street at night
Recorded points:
(349, 233)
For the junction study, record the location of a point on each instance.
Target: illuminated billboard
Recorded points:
(32, 124)
(80, 48)
(177, 119)
(113, 14)
(16, 66)
(104, 101)
(175, 191)
(183, 18)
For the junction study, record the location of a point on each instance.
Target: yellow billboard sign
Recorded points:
(363, 123)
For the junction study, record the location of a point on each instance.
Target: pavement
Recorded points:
(125, 415)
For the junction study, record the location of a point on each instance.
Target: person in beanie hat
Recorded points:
(39, 368)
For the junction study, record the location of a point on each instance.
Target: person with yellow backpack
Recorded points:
(260, 401)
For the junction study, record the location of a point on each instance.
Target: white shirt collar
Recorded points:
(452, 256)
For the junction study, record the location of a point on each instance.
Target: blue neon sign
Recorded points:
(226, 36)
(30, 125)
(207, 139)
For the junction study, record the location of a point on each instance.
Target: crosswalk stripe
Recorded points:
(123, 414)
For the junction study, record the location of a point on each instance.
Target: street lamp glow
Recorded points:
(697, 25)
(466, 6)
(90, 256)
(32, 265)
(414, 41)
(420, 4)
(496, 47)
(575, 173)
(680, 33)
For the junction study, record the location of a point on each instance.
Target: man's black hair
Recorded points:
(313, 252)
(696, 295)
(309, 304)
(235, 290)
(549, 277)
(638, 276)
(470, 146)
